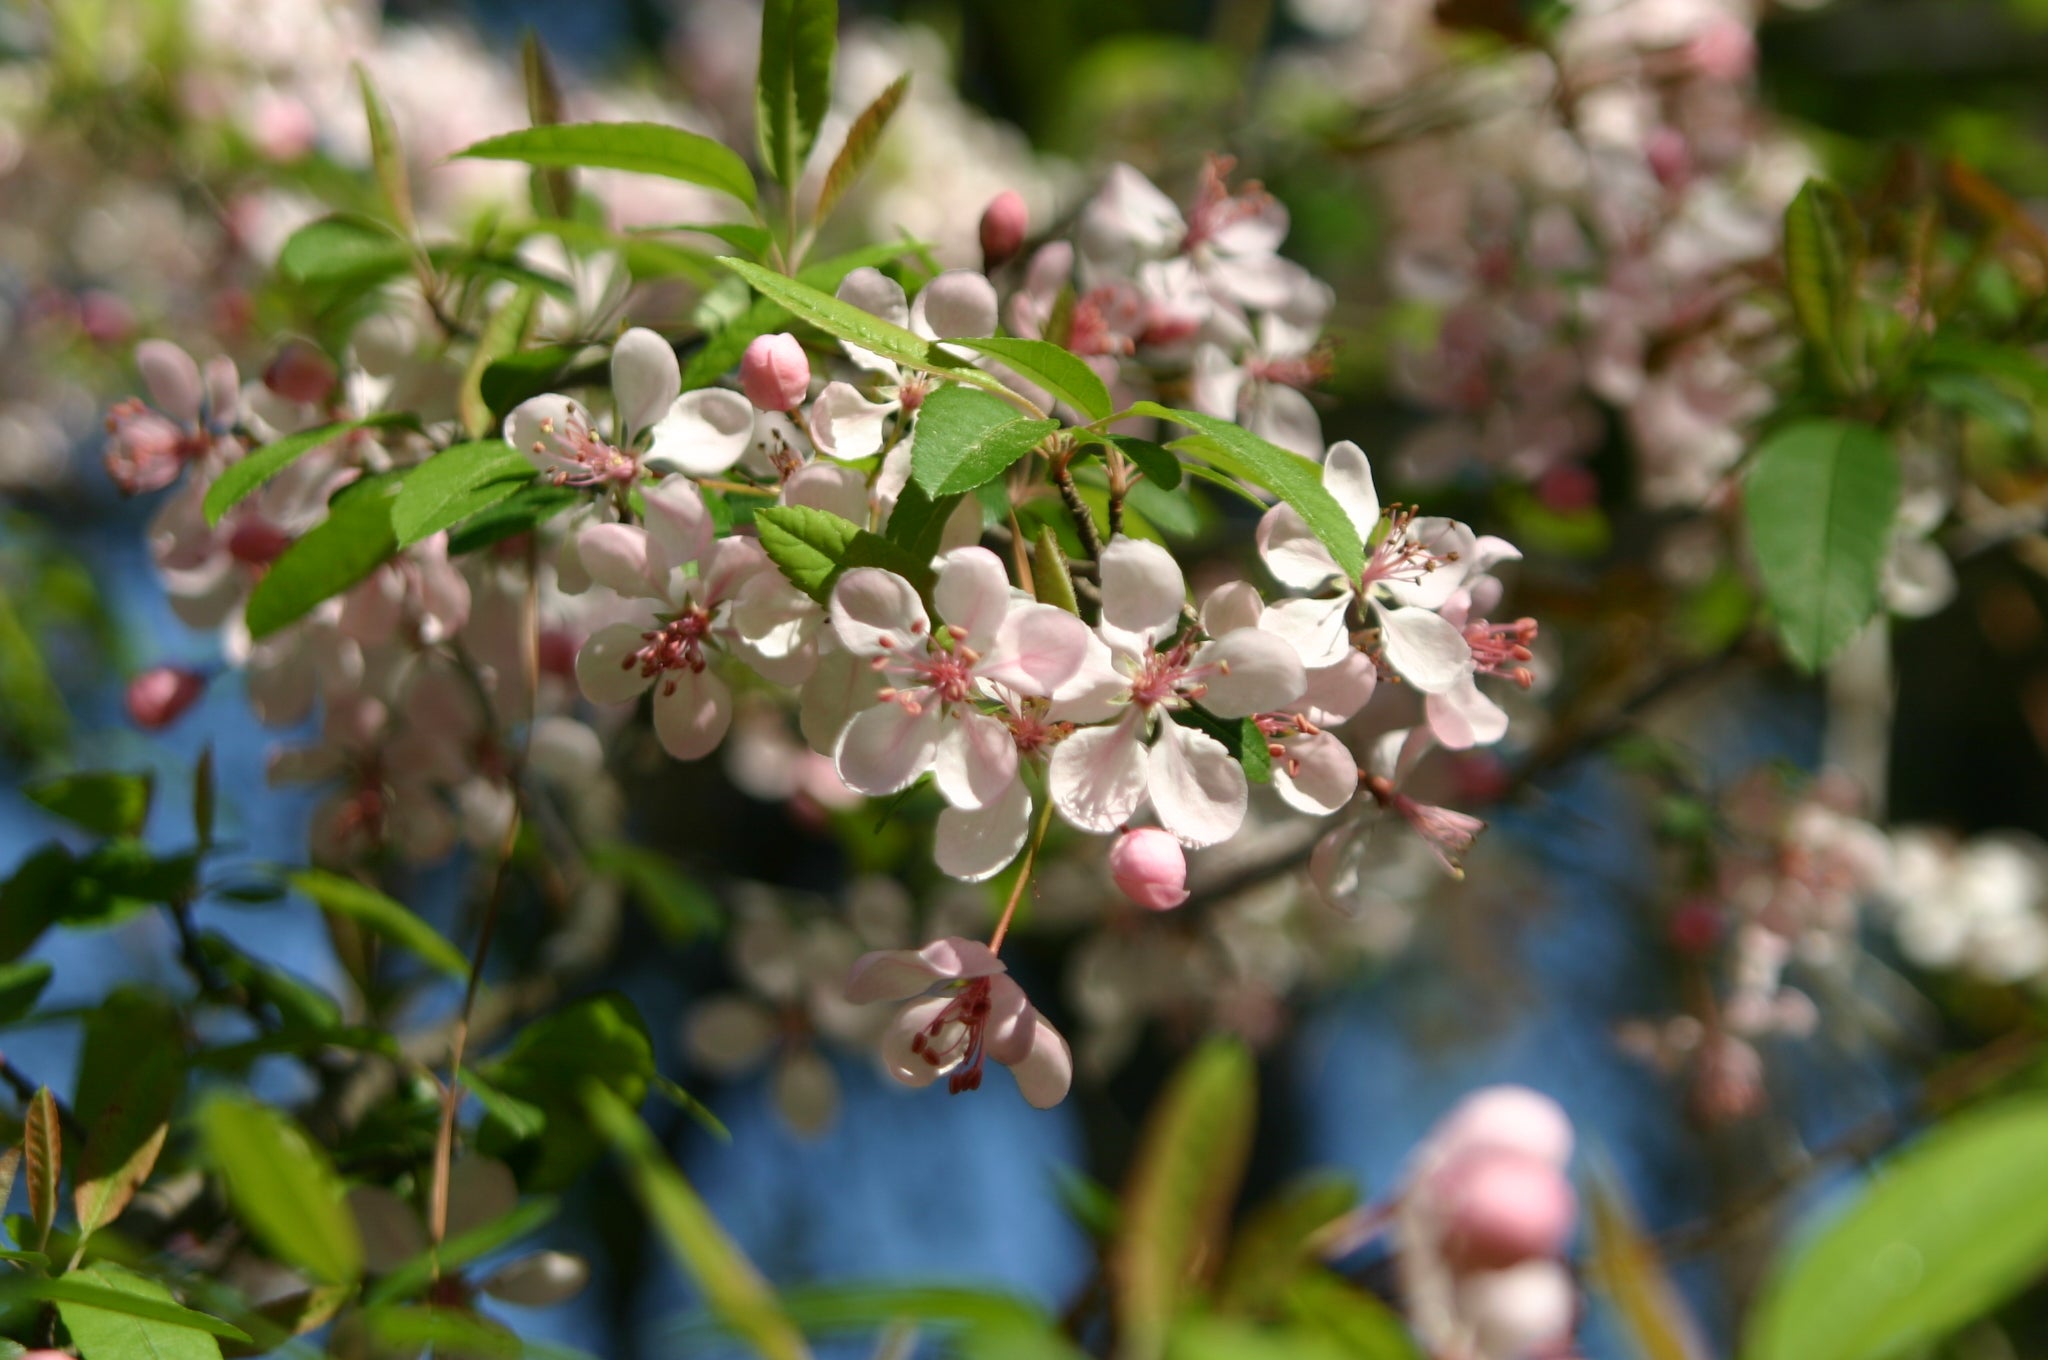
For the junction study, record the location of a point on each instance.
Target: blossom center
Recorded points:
(1169, 679)
(956, 1037)
(677, 645)
(594, 461)
(945, 674)
(1399, 557)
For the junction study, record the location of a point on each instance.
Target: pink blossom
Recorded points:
(963, 1008)
(1150, 868)
(1004, 223)
(160, 696)
(775, 373)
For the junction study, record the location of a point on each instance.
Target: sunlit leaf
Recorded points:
(794, 91)
(110, 803)
(456, 483)
(863, 140)
(967, 437)
(813, 547)
(283, 1187)
(642, 148)
(381, 915)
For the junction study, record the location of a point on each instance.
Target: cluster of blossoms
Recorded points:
(1013, 707)
(1586, 225)
(1480, 1227)
(1976, 906)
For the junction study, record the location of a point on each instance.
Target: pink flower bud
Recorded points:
(1501, 1208)
(775, 373)
(300, 372)
(158, 696)
(1150, 867)
(1003, 226)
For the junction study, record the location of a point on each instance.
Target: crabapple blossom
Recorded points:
(1101, 776)
(845, 423)
(775, 373)
(160, 696)
(692, 623)
(700, 433)
(147, 447)
(1411, 572)
(928, 715)
(1004, 224)
(963, 1007)
(1339, 865)
(1150, 868)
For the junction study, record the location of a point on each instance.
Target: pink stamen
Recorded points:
(595, 461)
(677, 645)
(957, 1036)
(1397, 557)
(1503, 648)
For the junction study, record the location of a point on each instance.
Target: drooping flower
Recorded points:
(147, 447)
(964, 1008)
(1101, 776)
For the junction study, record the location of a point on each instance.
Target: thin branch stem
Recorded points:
(995, 941)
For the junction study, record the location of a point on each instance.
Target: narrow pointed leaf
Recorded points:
(283, 1187)
(848, 322)
(555, 184)
(863, 140)
(42, 1145)
(387, 156)
(1820, 499)
(381, 916)
(1040, 361)
(642, 148)
(734, 1289)
(459, 481)
(1823, 253)
(239, 479)
(115, 1314)
(794, 89)
(335, 554)
(501, 336)
(1055, 584)
(1289, 476)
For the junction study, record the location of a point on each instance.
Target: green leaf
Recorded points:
(918, 522)
(1219, 1338)
(1049, 575)
(1190, 1160)
(126, 1094)
(116, 1314)
(967, 437)
(521, 512)
(382, 916)
(739, 235)
(343, 252)
(1820, 499)
(501, 336)
(735, 1291)
(509, 380)
(1289, 476)
(813, 547)
(1278, 1241)
(21, 986)
(1942, 1234)
(453, 485)
(386, 156)
(42, 1146)
(1362, 1326)
(600, 1040)
(1240, 736)
(302, 1008)
(794, 91)
(1058, 372)
(863, 140)
(675, 903)
(1160, 465)
(553, 189)
(1823, 250)
(642, 148)
(239, 479)
(341, 550)
(848, 322)
(283, 1187)
(111, 804)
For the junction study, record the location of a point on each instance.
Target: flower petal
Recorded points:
(877, 613)
(645, 380)
(1255, 672)
(1462, 717)
(831, 487)
(535, 425)
(1038, 648)
(973, 592)
(959, 302)
(1142, 591)
(1335, 693)
(173, 379)
(1198, 791)
(616, 557)
(703, 434)
(844, 424)
(899, 974)
(602, 672)
(692, 709)
(903, 1061)
(1291, 551)
(1231, 606)
(887, 747)
(1347, 476)
(1429, 653)
(977, 845)
(1097, 775)
(1315, 628)
(1316, 774)
(976, 761)
(1046, 1073)
(678, 524)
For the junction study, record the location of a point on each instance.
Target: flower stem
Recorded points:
(995, 941)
